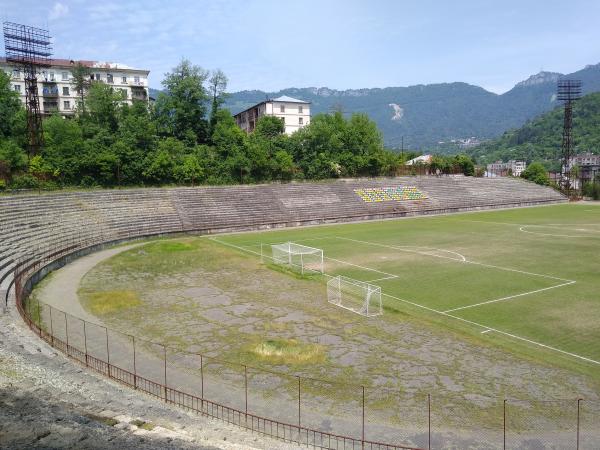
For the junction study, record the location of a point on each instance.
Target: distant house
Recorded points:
(503, 169)
(423, 159)
(589, 167)
(294, 113)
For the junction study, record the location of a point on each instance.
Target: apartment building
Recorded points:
(294, 113)
(56, 86)
(512, 167)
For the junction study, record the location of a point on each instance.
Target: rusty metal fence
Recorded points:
(307, 411)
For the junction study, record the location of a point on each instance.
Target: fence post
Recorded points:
(107, 353)
(429, 421)
(504, 424)
(165, 355)
(67, 333)
(299, 420)
(51, 328)
(579, 400)
(39, 321)
(201, 384)
(246, 388)
(85, 344)
(134, 366)
(363, 417)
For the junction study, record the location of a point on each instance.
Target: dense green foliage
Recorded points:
(185, 138)
(537, 173)
(541, 138)
(188, 138)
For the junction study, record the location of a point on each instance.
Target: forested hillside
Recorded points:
(540, 139)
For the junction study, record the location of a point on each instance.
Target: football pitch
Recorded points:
(527, 280)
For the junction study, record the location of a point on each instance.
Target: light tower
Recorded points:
(568, 91)
(28, 49)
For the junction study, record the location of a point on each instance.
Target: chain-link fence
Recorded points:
(308, 411)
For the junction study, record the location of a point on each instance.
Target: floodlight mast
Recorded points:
(28, 48)
(568, 91)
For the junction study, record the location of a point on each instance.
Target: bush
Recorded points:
(25, 181)
(592, 190)
(2, 185)
(536, 172)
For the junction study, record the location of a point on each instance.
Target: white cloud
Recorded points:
(58, 10)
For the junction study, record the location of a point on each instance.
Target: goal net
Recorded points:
(298, 257)
(356, 296)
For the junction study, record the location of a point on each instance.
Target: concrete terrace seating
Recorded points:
(36, 223)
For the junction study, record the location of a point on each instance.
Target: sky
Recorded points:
(347, 44)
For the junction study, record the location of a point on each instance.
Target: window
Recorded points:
(109, 78)
(282, 108)
(65, 90)
(300, 121)
(124, 80)
(65, 76)
(52, 76)
(16, 73)
(98, 77)
(17, 87)
(66, 105)
(136, 79)
(300, 109)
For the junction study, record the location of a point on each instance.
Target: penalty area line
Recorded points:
(509, 297)
(504, 333)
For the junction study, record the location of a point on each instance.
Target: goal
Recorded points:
(298, 257)
(357, 296)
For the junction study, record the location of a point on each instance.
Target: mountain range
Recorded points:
(444, 117)
(439, 117)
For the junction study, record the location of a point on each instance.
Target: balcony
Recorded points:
(139, 94)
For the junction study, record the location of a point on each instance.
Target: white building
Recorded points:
(423, 159)
(512, 167)
(56, 89)
(294, 113)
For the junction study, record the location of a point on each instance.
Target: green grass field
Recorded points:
(527, 280)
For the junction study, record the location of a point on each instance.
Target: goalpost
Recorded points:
(357, 296)
(298, 257)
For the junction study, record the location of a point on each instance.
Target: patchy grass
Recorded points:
(110, 302)
(149, 426)
(108, 421)
(288, 351)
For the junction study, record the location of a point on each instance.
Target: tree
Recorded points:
(103, 104)
(12, 159)
(10, 106)
(217, 85)
(536, 172)
(81, 82)
(181, 110)
(269, 127)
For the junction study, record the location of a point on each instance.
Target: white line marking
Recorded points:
(557, 235)
(388, 275)
(513, 336)
(405, 248)
(508, 269)
(381, 279)
(509, 297)
(486, 331)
